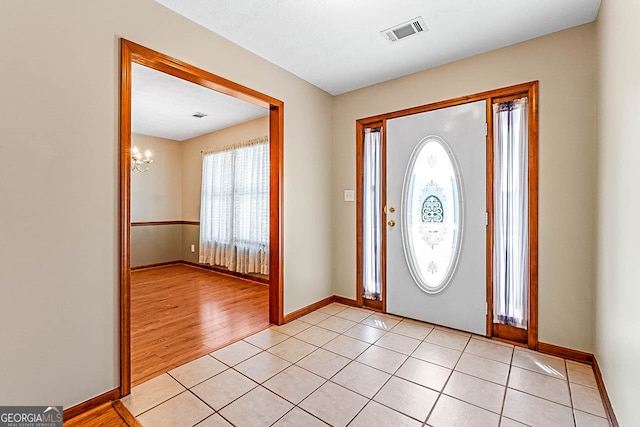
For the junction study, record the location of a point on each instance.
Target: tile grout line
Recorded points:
(573, 409)
(350, 360)
(506, 387)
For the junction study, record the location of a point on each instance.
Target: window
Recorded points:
(372, 215)
(234, 208)
(511, 213)
(432, 206)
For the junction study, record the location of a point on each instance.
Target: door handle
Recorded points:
(391, 223)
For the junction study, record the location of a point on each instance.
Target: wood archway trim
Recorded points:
(134, 53)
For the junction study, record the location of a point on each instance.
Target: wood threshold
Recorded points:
(510, 333)
(90, 404)
(130, 53)
(373, 304)
(113, 414)
(125, 414)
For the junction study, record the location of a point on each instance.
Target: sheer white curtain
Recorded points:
(511, 213)
(371, 215)
(234, 208)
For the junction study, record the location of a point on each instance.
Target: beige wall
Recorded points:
(564, 63)
(156, 195)
(192, 159)
(190, 236)
(153, 244)
(59, 227)
(618, 291)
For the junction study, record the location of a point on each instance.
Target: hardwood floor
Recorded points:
(180, 313)
(112, 414)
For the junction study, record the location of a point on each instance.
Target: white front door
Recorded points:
(436, 224)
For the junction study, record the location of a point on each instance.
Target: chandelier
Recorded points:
(140, 162)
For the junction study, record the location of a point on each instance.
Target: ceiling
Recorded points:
(163, 106)
(336, 44)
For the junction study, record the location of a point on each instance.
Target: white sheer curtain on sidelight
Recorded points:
(511, 213)
(372, 215)
(234, 207)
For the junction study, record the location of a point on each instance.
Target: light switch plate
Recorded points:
(349, 196)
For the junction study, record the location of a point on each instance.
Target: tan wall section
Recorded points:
(156, 195)
(190, 236)
(564, 63)
(192, 159)
(618, 291)
(59, 253)
(153, 244)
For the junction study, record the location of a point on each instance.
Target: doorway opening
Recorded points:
(385, 217)
(132, 53)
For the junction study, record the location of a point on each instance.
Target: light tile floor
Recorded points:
(347, 366)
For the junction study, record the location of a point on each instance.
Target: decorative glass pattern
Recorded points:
(432, 209)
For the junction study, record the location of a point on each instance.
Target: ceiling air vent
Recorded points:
(404, 30)
(199, 115)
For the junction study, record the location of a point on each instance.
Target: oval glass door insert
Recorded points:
(432, 210)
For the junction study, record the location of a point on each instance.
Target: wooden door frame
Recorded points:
(530, 90)
(134, 53)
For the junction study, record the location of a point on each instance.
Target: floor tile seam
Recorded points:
(573, 413)
(433, 408)
(368, 345)
(206, 379)
(585, 385)
(488, 358)
(589, 413)
(311, 372)
(499, 414)
(543, 398)
(165, 400)
(514, 420)
(312, 351)
(408, 336)
(208, 406)
(233, 400)
(366, 397)
(440, 393)
(297, 407)
(158, 404)
(384, 348)
(422, 385)
(259, 383)
(480, 355)
(441, 346)
(188, 388)
(506, 386)
(483, 379)
(337, 385)
(444, 346)
(541, 373)
(403, 413)
(324, 381)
